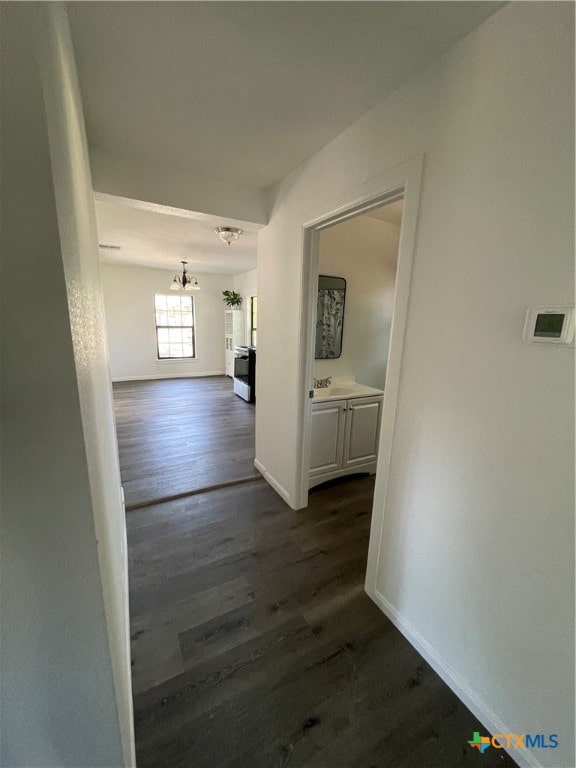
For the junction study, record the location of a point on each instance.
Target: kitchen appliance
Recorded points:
(245, 373)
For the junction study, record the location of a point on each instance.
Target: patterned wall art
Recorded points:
(330, 316)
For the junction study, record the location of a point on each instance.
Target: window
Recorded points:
(174, 326)
(253, 320)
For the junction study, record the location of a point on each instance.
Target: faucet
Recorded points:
(322, 383)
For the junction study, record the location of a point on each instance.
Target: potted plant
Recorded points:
(232, 299)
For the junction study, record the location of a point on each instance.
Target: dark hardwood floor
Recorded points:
(254, 644)
(181, 435)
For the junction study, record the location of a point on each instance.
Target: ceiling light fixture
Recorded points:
(228, 235)
(186, 282)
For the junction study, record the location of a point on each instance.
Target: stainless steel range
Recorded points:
(245, 373)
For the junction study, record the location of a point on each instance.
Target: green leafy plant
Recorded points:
(232, 298)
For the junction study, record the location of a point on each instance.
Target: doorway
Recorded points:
(400, 183)
(357, 260)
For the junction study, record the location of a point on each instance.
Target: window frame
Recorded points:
(181, 326)
(253, 327)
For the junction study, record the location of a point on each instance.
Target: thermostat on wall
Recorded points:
(549, 325)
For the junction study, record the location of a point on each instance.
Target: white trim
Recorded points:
(271, 481)
(404, 181)
(412, 172)
(179, 360)
(469, 697)
(169, 376)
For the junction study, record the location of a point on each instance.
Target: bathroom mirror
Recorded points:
(330, 316)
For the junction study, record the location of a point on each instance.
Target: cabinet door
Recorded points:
(327, 437)
(362, 430)
(229, 354)
(238, 327)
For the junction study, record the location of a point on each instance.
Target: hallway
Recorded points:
(254, 644)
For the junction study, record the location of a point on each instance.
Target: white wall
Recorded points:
(478, 537)
(65, 662)
(246, 285)
(130, 320)
(363, 251)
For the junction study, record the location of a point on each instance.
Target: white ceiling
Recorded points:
(240, 92)
(153, 236)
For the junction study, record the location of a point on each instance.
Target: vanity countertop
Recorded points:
(344, 390)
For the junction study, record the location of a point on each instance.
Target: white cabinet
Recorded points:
(233, 336)
(344, 437)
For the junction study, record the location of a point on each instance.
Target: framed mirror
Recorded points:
(330, 316)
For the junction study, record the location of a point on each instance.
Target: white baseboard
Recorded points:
(169, 376)
(471, 699)
(271, 481)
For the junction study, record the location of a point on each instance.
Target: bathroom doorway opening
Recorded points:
(356, 279)
(394, 197)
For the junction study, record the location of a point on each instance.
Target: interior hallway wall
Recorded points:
(477, 554)
(131, 323)
(65, 663)
(363, 251)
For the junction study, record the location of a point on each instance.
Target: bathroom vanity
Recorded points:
(345, 431)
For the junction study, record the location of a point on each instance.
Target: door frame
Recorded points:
(402, 181)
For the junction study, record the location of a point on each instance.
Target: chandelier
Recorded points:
(184, 283)
(228, 235)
